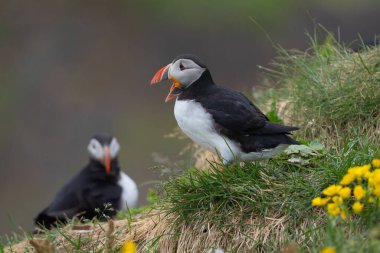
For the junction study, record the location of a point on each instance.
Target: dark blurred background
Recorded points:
(69, 69)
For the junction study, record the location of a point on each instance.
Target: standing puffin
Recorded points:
(97, 184)
(220, 119)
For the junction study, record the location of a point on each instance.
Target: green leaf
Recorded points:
(152, 196)
(315, 145)
(299, 149)
(299, 160)
(272, 114)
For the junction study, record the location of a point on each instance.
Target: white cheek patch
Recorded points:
(189, 76)
(95, 149)
(191, 72)
(114, 148)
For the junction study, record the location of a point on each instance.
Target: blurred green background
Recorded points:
(69, 69)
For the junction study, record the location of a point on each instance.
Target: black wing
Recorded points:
(81, 198)
(98, 196)
(65, 205)
(234, 114)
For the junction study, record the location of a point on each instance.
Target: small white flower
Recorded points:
(217, 250)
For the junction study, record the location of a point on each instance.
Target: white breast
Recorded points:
(130, 192)
(198, 125)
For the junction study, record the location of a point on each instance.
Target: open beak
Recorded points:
(162, 75)
(174, 92)
(107, 160)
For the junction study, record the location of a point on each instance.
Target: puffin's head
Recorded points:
(184, 71)
(104, 148)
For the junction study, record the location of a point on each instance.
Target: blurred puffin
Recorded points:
(220, 119)
(100, 182)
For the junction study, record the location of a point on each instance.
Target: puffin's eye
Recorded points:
(181, 67)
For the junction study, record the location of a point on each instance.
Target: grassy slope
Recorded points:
(333, 95)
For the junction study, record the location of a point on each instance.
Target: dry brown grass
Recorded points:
(42, 246)
(92, 236)
(156, 230)
(203, 158)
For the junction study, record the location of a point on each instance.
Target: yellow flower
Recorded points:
(371, 200)
(370, 182)
(337, 200)
(375, 179)
(318, 201)
(347, 179)
(359, 192)
(128, 247)
(357, 207)
(365, 168)
(356, 171)
(359, 171)
(376, 191)
(343, 215)
(368, 175)
(333, 209)
(345, 192)
(328, 250)
(376, 163)
(332, 190)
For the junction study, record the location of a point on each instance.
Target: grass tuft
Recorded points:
(331, 91)
(252, 188)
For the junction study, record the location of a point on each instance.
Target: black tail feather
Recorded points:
(273, 128)
(45, 221)
(257, 143)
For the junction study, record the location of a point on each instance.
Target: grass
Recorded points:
(330, 92)
(247, 189)
(276, 189)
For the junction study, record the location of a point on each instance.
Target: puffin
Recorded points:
(220, 119)
(97, 185)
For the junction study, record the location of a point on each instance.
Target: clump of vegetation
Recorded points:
(363, 182)
(354, 203)
(331, 92)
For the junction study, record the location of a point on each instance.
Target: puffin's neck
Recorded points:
(98, 171)
(199, 87)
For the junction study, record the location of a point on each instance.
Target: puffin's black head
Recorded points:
(184, 71)
(104, 149)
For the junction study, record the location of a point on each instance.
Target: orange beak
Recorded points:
(174, 92)
(162, 75)
(107, 160)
